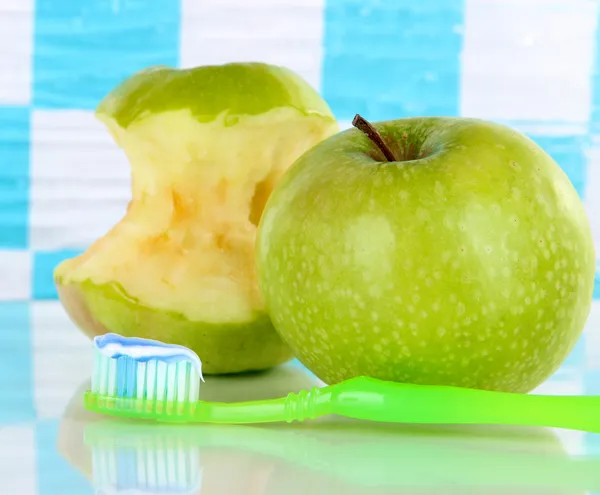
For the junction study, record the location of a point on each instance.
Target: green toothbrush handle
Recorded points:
(376, 400)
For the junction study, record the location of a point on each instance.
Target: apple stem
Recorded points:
(366, 127)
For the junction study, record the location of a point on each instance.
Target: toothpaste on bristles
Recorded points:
(133, 367)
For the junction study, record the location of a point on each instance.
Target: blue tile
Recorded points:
(55, 475)
(592, 449)
(591, 381)
(16, 365)
(83, 49)
(387, 60)
(576, 358)
(44, 263)
(570, 154)
(14, 176)
(595, 103)
(592, 387)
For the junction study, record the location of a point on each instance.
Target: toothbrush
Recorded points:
(148, 379)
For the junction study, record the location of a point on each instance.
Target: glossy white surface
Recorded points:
(63, 449)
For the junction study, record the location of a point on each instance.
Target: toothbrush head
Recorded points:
(136, 377)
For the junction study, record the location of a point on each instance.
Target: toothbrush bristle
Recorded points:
(154, 379)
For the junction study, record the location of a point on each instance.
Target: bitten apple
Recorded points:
(206, 147)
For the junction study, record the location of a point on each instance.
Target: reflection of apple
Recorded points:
(465, 260)
(206, 146)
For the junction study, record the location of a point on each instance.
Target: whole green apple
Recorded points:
(431, 250)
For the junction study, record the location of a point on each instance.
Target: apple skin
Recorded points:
(223, 348)
(470, 263)
(249, 97)
(236, 89)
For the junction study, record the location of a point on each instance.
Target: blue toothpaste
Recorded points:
(145, 368)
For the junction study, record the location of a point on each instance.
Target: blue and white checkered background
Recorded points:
(533, 64)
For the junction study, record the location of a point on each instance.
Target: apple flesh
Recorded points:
(206, 147)
(467, 260)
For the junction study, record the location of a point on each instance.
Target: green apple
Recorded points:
(206, 147)
(464, 258)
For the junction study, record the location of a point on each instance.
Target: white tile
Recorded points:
(280, 32)
(344, 124)
(16, 49)
(80, 180)
(62, 358)
(592, 194)
(568, 382)
(15, 267)
(573, 441)
(529, 60)
(18, 460)
(592, 338)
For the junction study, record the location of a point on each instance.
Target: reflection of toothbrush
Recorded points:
(138, 378)
(167, 465)
(370, 456)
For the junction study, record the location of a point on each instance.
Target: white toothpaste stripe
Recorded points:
(149, 351)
